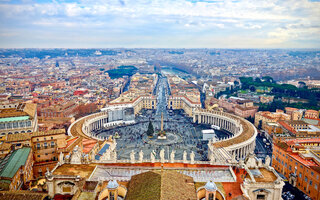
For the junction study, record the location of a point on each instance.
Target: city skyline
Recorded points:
(159, 24)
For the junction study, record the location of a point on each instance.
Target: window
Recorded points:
(300, 175)
(38, 146)
(315, 186)
(15, 125)
(45, 145)
(317, 176)
(2, 126)
(9, 125)
(310, 182)
(51, 138)
(312, 173)
(52, 144)
(289, 167)
(111, 196)
(22, 124)
(306, 179)
(261, 196)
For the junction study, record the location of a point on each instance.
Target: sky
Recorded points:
(159, 24)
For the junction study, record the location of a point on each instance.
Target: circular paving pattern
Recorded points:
(172, 138)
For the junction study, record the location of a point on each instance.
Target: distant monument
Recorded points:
(162, 133)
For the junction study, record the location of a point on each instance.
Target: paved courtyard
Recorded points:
(183, 134)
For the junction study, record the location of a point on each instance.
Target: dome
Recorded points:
(210, 186)
(113, 184)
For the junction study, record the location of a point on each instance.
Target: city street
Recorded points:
(262, 148)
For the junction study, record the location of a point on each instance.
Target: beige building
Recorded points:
(18, 118)
(140, 93)
(266, 116)
(184, 95)
(184, 103)
(313, 114)
(46, 144)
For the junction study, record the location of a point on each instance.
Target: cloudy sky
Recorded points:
(160, 23)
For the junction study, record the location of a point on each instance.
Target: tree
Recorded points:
(250, 119)
(252, 88)
(150, 130)
(268, 79)
(260, 125)
(258, 80)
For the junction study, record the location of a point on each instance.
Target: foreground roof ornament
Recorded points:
(113, 184)
(210, 186)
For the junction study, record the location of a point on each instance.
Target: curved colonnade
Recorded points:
(237, 146)
(240, 144)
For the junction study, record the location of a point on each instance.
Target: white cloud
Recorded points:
(272, 20)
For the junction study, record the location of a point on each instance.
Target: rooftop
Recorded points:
(18, 137)
(16, 160)
(49, 132)
(306, 162)
(22, 195)
(73, 170)
(22, 110)
(10, 119)
(166, 185)
(267, 176)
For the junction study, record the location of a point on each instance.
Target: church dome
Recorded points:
(113, 184)
(210, 186)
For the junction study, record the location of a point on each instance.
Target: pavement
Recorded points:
(187, 136)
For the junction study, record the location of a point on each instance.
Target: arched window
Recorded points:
(111, 196)
(211, 196)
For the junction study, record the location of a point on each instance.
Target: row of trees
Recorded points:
(281, 90)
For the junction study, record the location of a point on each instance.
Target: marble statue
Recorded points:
(212, 159)
(192, 157)
(114, 157)
(140, 156)
(162, 155)
(152, 156)
(61, 158)
(260, 163)
(251, 161)
(106, 155)
(241, 163)
(76, 156)
(132, 157)
(267, 161)
(172, 155)
(184, 156)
